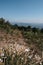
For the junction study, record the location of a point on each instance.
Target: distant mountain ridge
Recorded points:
(37, 25)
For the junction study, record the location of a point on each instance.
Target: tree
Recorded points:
(15, 26)
(41, 30)
(2, 21)
(28, 28)
(35, 29)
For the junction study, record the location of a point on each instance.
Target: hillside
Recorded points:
(26, 41)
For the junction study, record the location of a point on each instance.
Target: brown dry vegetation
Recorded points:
(18, 39)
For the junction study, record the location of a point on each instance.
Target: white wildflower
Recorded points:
(27, 50)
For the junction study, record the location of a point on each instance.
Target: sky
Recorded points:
(28, 11)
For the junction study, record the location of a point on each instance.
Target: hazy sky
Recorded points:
(22, 10)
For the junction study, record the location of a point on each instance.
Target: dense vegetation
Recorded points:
(32, 36)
